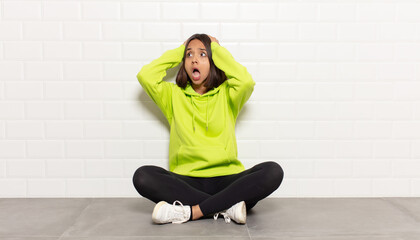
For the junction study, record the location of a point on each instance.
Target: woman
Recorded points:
(205, 177)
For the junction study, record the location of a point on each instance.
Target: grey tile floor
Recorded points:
(272, 218)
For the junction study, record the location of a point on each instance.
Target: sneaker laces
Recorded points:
(224, 214)
(179, 214)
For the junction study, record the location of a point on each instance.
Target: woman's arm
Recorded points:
(151, 79)
(239, 80)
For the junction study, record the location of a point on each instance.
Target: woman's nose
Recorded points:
(195, 59)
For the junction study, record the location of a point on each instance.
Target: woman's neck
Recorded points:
(201, 89)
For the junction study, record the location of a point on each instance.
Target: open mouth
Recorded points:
(196, 74)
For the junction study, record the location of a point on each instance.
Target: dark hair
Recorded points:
(215, 77)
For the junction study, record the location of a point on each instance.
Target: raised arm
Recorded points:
(151, 79)
(239, 80)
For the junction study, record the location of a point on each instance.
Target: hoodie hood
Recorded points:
(189, 91)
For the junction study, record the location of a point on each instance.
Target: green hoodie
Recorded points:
(202, 127)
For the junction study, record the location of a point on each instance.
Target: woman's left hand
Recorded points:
(213, 39)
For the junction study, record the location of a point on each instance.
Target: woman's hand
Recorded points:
(213, 39)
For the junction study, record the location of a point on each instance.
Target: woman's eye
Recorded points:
(203, 54)
(188, 54)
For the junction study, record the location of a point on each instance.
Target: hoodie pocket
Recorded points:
(198, 158)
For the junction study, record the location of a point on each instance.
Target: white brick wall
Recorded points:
(337, 100)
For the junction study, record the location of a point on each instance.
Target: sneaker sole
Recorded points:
(155, 210)
(243, 210)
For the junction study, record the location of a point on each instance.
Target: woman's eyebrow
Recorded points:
(199, 49)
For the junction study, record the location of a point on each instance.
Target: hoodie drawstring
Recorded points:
(193, 119)
(207, 113)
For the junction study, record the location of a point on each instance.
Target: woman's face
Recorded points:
(197, 63)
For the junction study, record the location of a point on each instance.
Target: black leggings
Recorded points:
(213, 194)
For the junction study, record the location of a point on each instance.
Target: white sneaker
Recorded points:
(237, 213)
(167, 213)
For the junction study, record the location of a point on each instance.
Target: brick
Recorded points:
(62, 10)
(101, 10)
(391, 149)
(334, 168)
(22, 50)
(13, 188)
(83, 71)
(44, 71)
(380, 11)
(318, 31)
(10, 30)
(24, 90)
(63, 50)
(63, 90)
(45, 149)
(82, 110)
(101, 168)
(162, 32)
(372, 130)
(325, 130)
(44, 110)
(25, 130)
(315, 110)
(354, 149)
(102, 130)
(102, 90)
(121, 31)
(373, 91)
(219, 11)
(278, 31)
(67, 168)
(64, 129)
(372, 168)
(141, 10)
(238, 31)
(11, 110)
(354, 110)
(295, 11)
(120, 188)
(22, 10)
(273, 150)
(123, 149)
(42, 30)
(337, 12)
(25, 168)
(85, 187)
(258, 11)
(180, 11)
(90, 149)
(102, 51)
(391, 187)
(82, 30)
(315, 149)
(408, 12)
(353, 187)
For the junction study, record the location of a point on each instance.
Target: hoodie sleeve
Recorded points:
(151, 79)
(239, 80)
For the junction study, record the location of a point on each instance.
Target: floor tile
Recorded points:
(410, 206)
(29, 238)
(132, 217)
(155, 238)
(310, 217)
(38, 217)
(336, 237)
